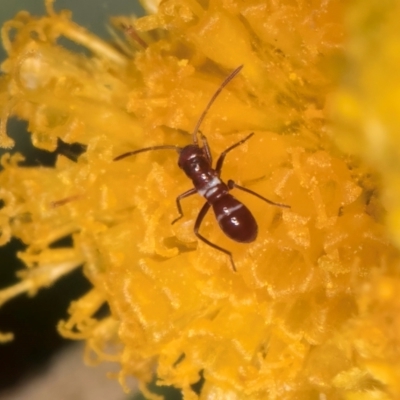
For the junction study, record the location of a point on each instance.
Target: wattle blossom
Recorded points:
(313, 309)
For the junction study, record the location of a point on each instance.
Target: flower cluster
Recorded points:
(312, 310)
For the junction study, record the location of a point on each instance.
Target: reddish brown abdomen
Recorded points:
(235, 219)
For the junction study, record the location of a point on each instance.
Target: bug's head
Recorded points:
(192, 159)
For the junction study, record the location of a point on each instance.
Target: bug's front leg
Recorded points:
(222, 156)
(206, 148)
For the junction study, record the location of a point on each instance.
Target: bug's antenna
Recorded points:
(132, 153)
(213, 98)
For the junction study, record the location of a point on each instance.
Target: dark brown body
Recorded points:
(234, 218)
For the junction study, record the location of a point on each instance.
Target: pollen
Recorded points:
(312, 310)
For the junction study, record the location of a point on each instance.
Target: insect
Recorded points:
(234, 218)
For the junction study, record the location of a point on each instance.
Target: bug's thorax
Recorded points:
(196, 165)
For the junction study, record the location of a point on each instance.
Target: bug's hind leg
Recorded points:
(178, 203)
(232, 184)
(197, 225)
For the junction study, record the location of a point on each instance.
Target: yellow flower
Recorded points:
(312, 311)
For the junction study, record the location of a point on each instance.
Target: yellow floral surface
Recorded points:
(313, 309)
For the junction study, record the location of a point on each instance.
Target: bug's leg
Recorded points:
(232, 184)
(206, 148)
(131, 31)
(222, 156)
(197, 225)
(65, 200)
(178, 203)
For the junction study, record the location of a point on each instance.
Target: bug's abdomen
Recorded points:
(235, 219)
